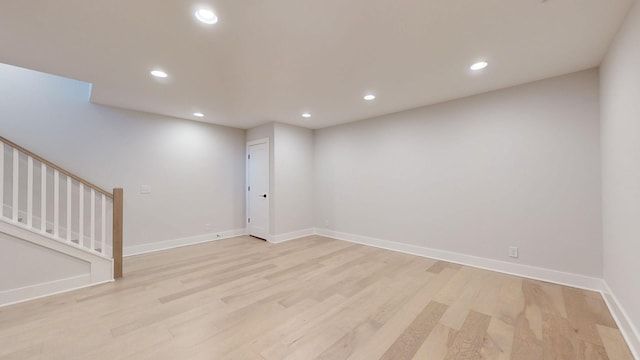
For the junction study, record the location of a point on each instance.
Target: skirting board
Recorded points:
(275, 239)
(170, 244)
(628, 330)
(558, 277)
(37, 291)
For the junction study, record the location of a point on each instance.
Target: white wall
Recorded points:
(293, 147)
(195, 170)
(620, 116)
(519, 166)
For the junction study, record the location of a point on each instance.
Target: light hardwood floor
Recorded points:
(313, 298)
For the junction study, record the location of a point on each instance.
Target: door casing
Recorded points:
(265, 141)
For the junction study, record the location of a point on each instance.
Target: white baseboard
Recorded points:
(32, 292)
(191, 240)
(558, 277)
(630, 333)
(291, 235)
(627, 328)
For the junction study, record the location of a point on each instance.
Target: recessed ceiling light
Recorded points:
(369, 97)
(198, 114)
(306, 115)
(159, 73)
(206, 16)
(479, 65)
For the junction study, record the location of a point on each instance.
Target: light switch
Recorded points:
(145, 189)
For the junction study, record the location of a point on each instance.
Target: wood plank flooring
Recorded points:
(312, 298)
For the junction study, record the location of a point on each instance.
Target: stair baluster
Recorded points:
(62, 225)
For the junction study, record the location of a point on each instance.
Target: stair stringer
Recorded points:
(101, 268)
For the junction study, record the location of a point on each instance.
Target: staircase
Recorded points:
(50, 207)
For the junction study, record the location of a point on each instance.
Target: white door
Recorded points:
(258, 189)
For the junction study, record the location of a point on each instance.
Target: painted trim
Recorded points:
(258, 141)
(627, 328)
(532, 272)
(266, 141)
(37, 291)
(186, 241)
(62, 228)
(623, 321)
(101, 267)
(45, 240)
(276, 239)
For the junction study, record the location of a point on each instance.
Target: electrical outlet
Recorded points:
(513, 251)
(207, 227)
(145, 189)
(326, 224)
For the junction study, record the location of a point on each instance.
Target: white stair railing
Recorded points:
(44, 198)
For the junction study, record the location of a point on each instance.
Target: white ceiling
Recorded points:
(271, 60)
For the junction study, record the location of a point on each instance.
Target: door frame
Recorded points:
(246, 185)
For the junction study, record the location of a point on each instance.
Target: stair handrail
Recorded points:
(116, 197)
(59, 168)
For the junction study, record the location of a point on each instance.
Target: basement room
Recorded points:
(299, 179)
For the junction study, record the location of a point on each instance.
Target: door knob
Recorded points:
(264, 195)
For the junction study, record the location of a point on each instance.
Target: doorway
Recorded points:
(258, 196)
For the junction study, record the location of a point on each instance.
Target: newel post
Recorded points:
(117, 233)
